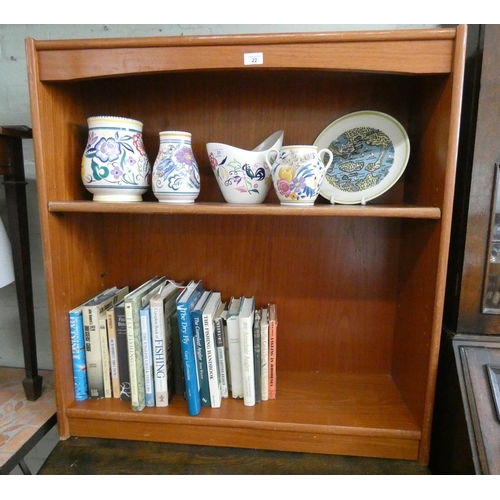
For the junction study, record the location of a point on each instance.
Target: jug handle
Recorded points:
(268, 159)
(326, 150)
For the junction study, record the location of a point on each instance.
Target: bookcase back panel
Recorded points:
(334, 280)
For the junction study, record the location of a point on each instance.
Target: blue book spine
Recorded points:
(78, 353)
(147, 353)
(188, 349)
(201, 357)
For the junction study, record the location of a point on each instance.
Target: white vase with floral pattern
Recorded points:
(298, 172)
(115, 167)
(176, 178)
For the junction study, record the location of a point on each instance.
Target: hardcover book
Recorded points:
(264, 354)
(257, 355)
(113, 352)
(103, 330)
(233, 340)
(106, 365)
(246, 318)
(219, 324)
(147, 355)
(78, 347)
(163, 308)
(273, 336)
(91, 314)
(122, 348)
(185, 304)
(133, 304)
(179, 381)
(196, 316)
(208, 315)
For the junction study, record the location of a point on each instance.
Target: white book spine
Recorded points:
(264, 360)
(247, 358)
(211, 356)
(133, 357)
(159, 359)
(233, 338)
(221, 357)
(147, 358)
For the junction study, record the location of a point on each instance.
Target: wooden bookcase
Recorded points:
(359, 289)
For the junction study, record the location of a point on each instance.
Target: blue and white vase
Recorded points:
(115, 167)
(176, 178)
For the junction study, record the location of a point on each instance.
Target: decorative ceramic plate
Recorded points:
(370, 152)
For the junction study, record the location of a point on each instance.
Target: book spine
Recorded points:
(78, 355)
(201, 358)
(93, 353)
(264, 357)
(106, 365)
(212, 363)
(159, 358)
(121, 341)
(113, 353)
(178, 366)
(147, 357)
(221, 356)
(134, 345)
(233, 337)
(188, 348)
(273, 325)
(247, 368)
(257, 357)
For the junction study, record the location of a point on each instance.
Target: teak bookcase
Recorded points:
(359, 289)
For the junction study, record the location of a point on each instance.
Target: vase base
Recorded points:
(178, 202)
(117, 198)
(297, 204)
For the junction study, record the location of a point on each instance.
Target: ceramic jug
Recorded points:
(176, 178)
(298, 173)
(115, 167)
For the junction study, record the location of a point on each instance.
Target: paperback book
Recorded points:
(264, 355)
(273, 337)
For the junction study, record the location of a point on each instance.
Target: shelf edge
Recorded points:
(201, 208)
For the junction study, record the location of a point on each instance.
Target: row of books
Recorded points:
(164, 339)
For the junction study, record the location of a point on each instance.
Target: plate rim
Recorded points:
(384, 188)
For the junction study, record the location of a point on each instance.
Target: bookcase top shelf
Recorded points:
(318, 210)
(400, 51)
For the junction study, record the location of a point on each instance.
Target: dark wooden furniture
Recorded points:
(97, 456)
(12, 170)
(359, 288)
(466, 426)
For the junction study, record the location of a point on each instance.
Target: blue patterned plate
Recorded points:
(370, 153)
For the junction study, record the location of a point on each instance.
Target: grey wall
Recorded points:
(15, 110)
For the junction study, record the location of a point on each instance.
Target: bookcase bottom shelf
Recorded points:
(360, 415)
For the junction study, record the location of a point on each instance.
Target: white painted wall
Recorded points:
(15, 110)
